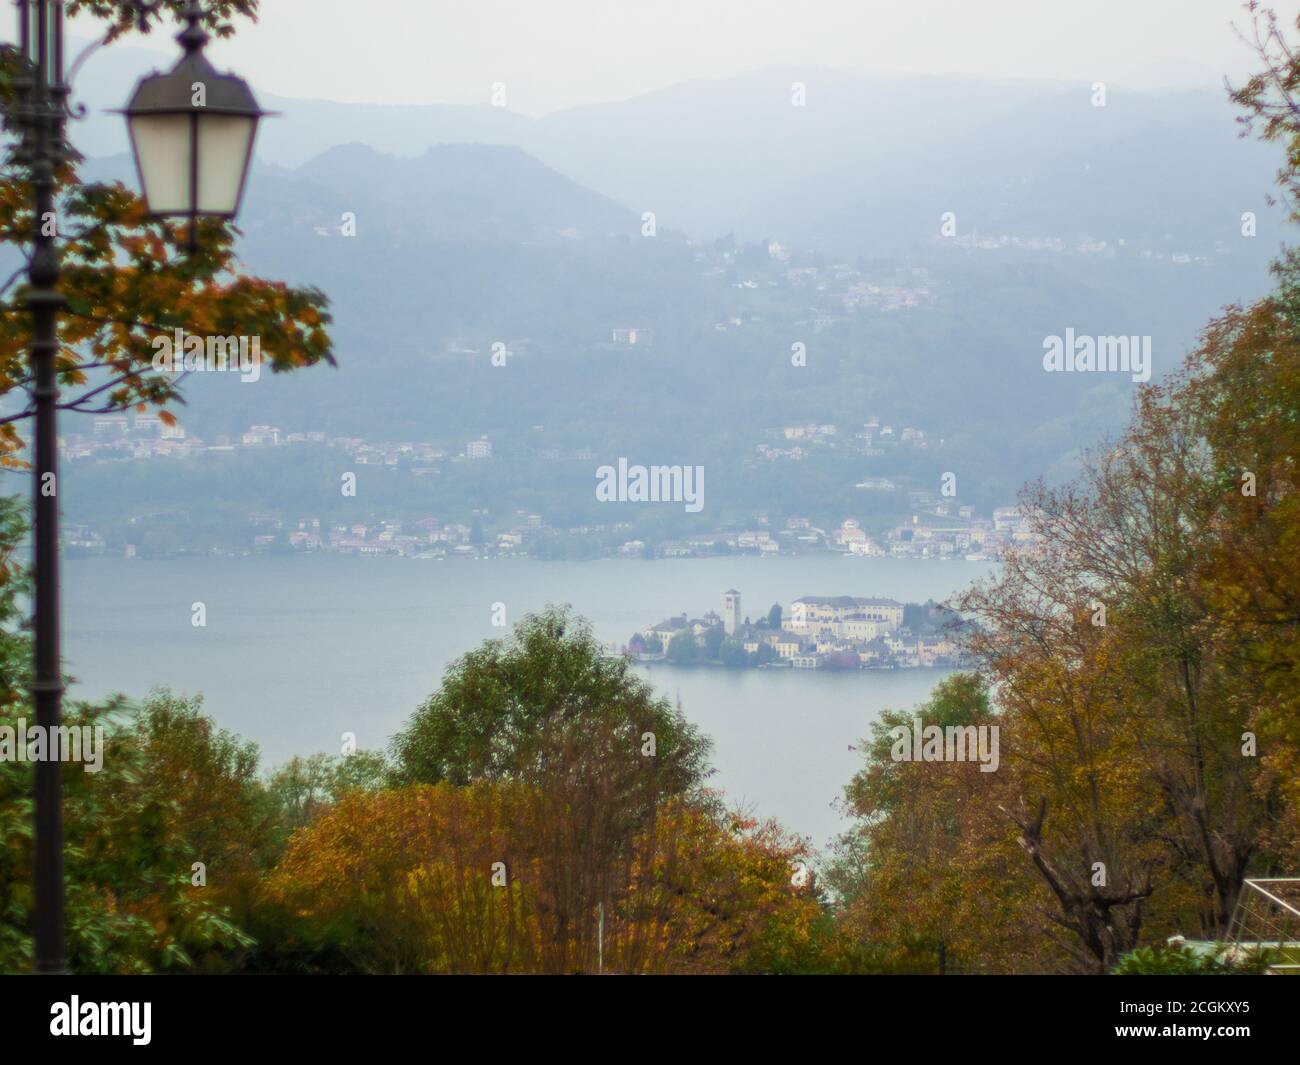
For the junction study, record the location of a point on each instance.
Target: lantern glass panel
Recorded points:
(163, 151)
(224, 142)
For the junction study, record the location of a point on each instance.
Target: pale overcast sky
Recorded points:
(556, 53)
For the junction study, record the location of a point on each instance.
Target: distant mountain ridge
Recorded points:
(470, 192)
(843, 160)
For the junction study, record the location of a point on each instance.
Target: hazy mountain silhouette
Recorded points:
(849, 160)
(470, 192)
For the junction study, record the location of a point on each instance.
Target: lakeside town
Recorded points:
(938, 527)
(837, 632)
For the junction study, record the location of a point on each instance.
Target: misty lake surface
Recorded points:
(300, 649)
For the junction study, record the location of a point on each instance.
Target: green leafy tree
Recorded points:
(683, 648)
(507, 707)
(713, 642)
(733, 654)
(169, 792)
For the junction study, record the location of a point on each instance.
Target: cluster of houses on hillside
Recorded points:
(933, 526)
(148, 436)
(873, 438)
(818, 632)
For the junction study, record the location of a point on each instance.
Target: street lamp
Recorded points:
(192, 132)
(193, 155)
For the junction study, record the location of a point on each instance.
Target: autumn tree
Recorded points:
(718, 892)
(444, 879)
(927, 878)
(599, 752)
(1243, 390)
(419, 879)
(1270, 98)
(1107, 677)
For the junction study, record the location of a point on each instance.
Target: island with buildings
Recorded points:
(839, 632)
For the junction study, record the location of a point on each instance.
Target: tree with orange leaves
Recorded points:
(451, 879)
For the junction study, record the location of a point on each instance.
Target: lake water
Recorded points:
(300, 649)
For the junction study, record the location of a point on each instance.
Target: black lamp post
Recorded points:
(192, 151)
(41, 116)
